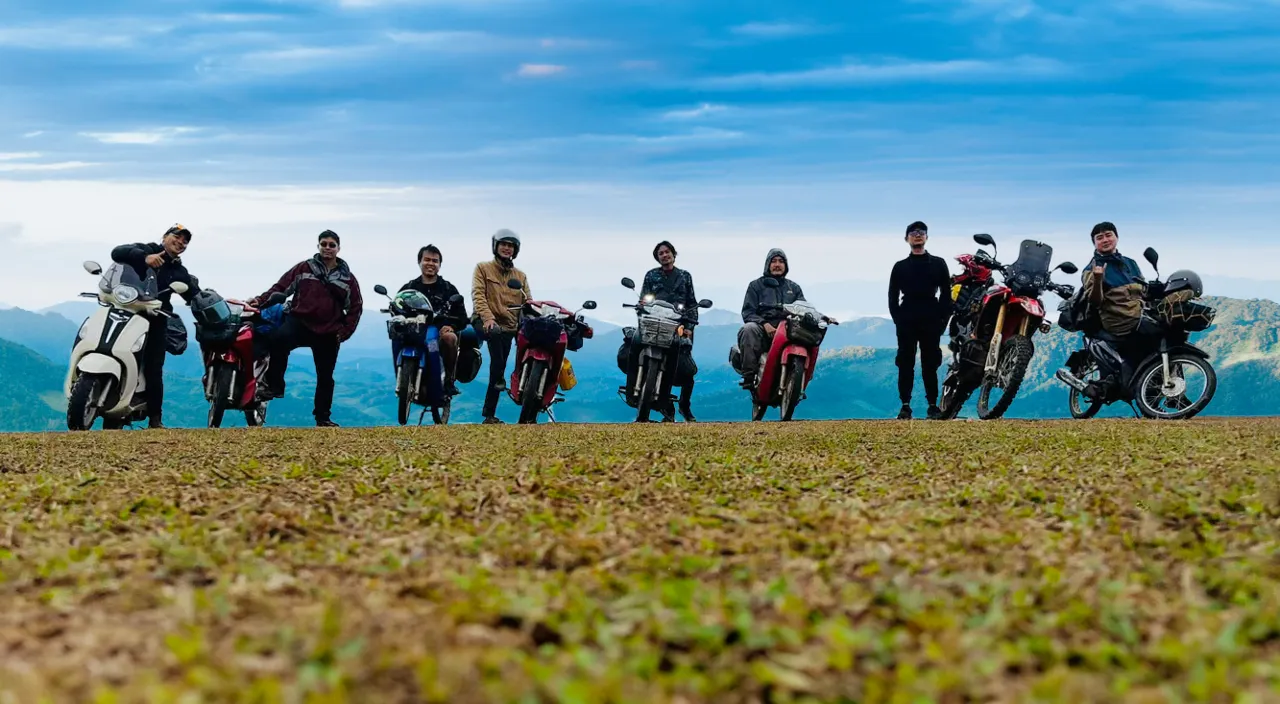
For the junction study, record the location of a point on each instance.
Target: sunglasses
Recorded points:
(328, 245)
(917, 232)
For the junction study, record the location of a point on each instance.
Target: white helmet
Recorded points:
(505, 235)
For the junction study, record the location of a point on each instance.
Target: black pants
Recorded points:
(153, 368)
(927, 335)
(324, 348)
(499, 343)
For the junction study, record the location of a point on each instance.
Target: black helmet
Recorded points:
(1185, 279)
(505, 235)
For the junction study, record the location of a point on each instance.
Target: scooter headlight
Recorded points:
(125, 295)
(142, 342)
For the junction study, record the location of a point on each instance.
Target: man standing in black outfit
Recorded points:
(924, 284)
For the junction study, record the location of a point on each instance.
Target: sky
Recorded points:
(595, 129)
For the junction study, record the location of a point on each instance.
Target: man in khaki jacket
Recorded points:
(495, 321)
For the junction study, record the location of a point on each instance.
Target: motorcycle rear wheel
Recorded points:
(440, 414)
(1154, 371)
(530, 396)
(1081, 406)
(257, 416)
(793, 388)
(1015, 357)
(955, 391)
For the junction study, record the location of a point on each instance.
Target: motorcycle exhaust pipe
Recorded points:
(1071, 380)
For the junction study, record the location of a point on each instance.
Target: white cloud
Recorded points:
(284, 62)
(53, 166)
(155, 136)
(10, 156)
(539, 70)
(236, 17)
(639, 64)
(854, 72)
(456, 41)
(693, 113)
(96, 33)
(777, 30)
(36, 133)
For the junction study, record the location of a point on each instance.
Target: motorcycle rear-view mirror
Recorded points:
(589, 305)
(456, 298)
(178, 287)
(1151, 256)
(380, 290)
(705, 303)
(771, 282)
(628, 283)
(515, 284)
(92, 267)
(984, 238)
(1068, 268)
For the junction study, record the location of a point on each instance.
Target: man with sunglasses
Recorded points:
(920, 304)
(165, 259)
(323, 313)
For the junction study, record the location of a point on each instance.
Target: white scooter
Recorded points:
(105, 377)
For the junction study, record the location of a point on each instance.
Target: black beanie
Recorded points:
(1103, 227)
(659, 245)
(917, 225)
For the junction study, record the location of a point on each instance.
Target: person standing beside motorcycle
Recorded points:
(491, 302)
(920, 305)
(450, 318)
(165, 259)
(675, 286)
(323, 313)
(762, 310)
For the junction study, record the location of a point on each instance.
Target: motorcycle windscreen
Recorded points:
(1033, 258)
(123, 274)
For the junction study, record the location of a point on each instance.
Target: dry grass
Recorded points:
(854, 561)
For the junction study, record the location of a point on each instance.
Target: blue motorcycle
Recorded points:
(415, 350)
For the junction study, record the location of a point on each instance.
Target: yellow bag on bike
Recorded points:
(568, 379)
(955, 292)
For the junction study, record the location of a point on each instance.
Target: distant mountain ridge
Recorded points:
(856, 376)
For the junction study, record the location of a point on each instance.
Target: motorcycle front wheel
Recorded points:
(82, 406)
(221, 395)
(1015, 357)
(794, 387)
(530, 388)
(404, 388)
(1168, 400)
(648, 391)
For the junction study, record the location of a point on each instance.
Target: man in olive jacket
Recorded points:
(493, 317)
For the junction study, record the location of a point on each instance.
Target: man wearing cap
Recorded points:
(920, 304)
(165, 259)
(675, 286)
(323, 313)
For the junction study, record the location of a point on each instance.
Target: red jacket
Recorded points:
(327, 302)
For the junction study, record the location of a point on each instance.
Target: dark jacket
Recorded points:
(675, 288)
(327, 302)
(920, 290)
(135, 256)
(757, 305)
(453, 315)
(1120, 297)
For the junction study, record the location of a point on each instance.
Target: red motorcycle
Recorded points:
(546, 330)
(786, 369)
(234, 370)
(992, 325)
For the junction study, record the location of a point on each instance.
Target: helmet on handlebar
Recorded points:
(1185, 279)
(410, 303)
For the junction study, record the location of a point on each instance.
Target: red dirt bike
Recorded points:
(234, 372)
(786, 369)
(546, 330)
(992, 327)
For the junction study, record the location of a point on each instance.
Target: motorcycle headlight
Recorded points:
(137, 346)
(125, 295)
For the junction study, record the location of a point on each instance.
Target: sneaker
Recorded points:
(326, 424)
(688, 414)
(451, 389)
(492, 420)
(905, 412)
(156, 425)
(934, 412)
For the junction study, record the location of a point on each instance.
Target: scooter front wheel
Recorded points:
(82, 406)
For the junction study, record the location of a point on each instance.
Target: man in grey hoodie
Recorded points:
(762, 310)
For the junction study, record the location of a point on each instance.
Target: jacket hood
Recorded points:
(786, 266)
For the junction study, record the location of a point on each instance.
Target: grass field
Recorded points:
(844, 561)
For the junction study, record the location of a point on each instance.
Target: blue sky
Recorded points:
(731, 124)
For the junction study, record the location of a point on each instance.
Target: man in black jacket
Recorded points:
(761, 311)
(164, 259)
(924, 284)
(675, 286)
(451, 317)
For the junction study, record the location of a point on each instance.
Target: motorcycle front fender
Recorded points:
(97, 363)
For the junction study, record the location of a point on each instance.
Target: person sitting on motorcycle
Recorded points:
(165, 259)
(493, 320)
(451, 318)
(1115, 287)
(762, 310)
(675, 286)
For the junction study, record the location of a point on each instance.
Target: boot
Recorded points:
(904, 413)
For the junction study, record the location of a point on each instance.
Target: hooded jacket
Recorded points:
(1119, 296)
(327, 301)
(758, 304)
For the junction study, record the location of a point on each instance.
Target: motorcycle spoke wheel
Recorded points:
(221, 397)
(1190, 377)
(440, 415)
(1081, 406)
(404, 388)
(1015, 357)
(530, 396)
(792, 389)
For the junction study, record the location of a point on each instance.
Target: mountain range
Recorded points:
(855, 378)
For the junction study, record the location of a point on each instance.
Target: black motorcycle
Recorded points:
(1170, 371)
(651, 352)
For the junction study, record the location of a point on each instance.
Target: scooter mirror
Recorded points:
(515, 284)
(1151, 256)
(589, 305)
(178, 287)
(92, 267)
(1068, 268)
(705, 303)
(380, 290)
(628, 283)
(984, 238)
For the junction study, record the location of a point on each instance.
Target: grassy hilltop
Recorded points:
(826, 561)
